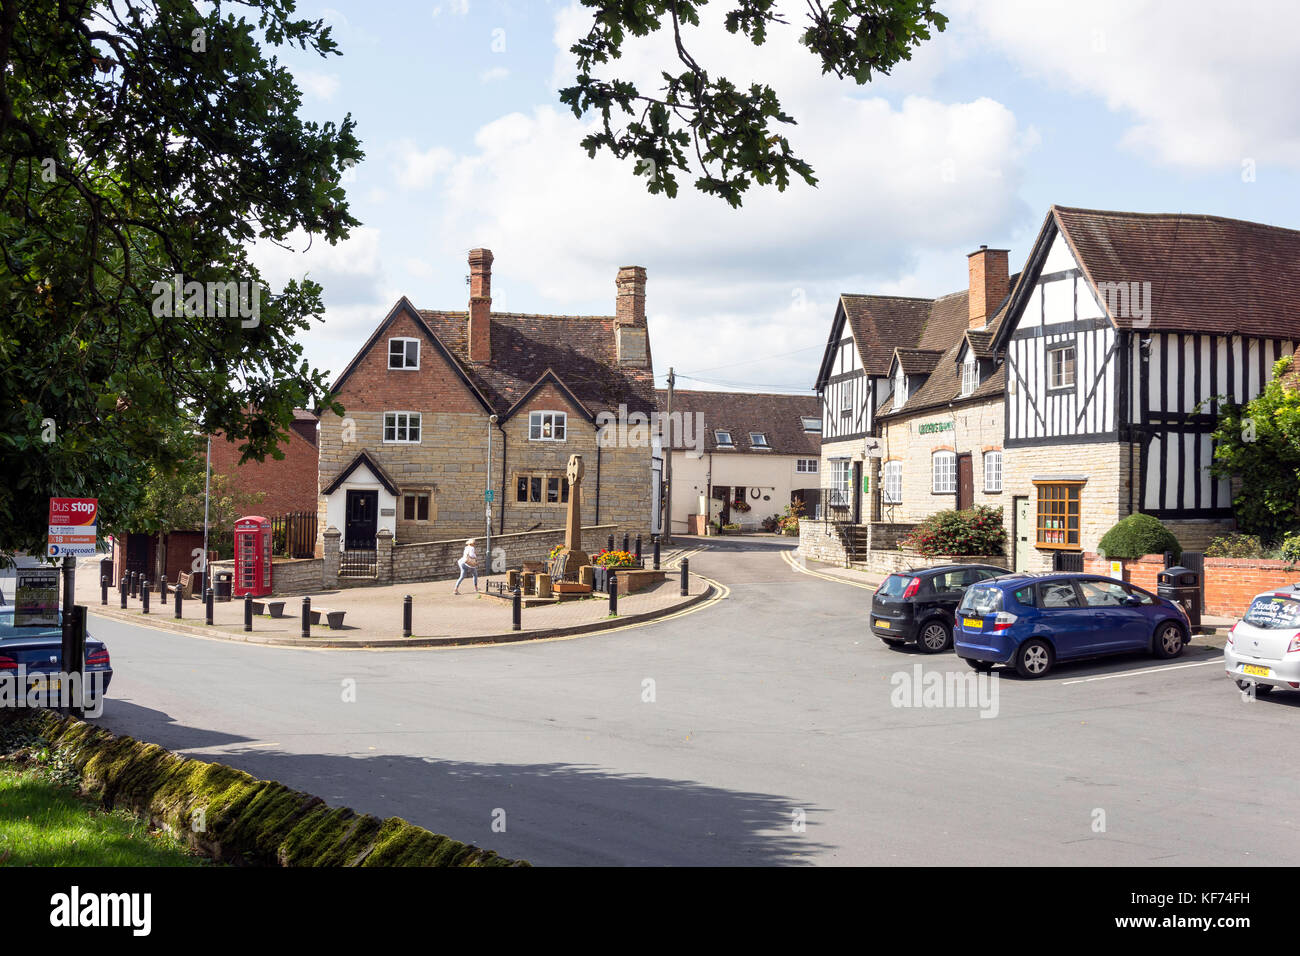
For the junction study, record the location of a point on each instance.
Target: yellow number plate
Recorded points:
(880, 623)
(973, 622)
(1255, 669)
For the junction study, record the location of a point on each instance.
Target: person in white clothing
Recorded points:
(468, 563)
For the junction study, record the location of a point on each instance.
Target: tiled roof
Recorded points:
(580, 349)
(881, 323)
(1207, 273)
(778, 417)
(918, 361)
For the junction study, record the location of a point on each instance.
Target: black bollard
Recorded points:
(103, 590)
(406, 616)
(625, 542)
(686, 570)
(517, 610)
(125, 591)
(144, 598)
(163, 586)
(208, 598)
(656, 552)
(613, 593)
(177, 594)
(248, 612)
(611, 542)
(135, 584)
(306, 617)
(638, 549)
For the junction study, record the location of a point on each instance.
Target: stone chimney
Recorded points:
(480, 305)
(989, 284)
(630, 308)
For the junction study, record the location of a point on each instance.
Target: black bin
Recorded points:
(1182, 585)
(106, 570)
(224, 581)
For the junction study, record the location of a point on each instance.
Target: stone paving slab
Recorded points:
(374, 614)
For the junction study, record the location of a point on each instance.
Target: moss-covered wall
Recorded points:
(231, 816)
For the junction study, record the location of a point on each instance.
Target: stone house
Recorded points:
(429, 390)
(762, 449)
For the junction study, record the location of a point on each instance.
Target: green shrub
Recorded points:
(1138, 535)
(977, 531)
(1290, 549)
(1236, 546)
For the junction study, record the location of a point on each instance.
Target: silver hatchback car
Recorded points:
(1263, 648)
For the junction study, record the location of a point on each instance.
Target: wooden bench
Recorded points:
(274, 608)
(186, 584)
(334, 618)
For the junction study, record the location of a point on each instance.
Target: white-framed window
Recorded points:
(970, 376)
(900, 388)
(846, 400)
(758, 440)
(401, 428)
(403, 353)
(415, 506)
(541, 489)
(806, 466)
(891, 483)
(993, 471)
(841, 488)
(1060, 367)
(547, 426)
(812, 424)
(723, 438)
(943, 473)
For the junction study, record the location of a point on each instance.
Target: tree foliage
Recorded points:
(975, 531)
(729, 133)
(140, 141)
(1259, 444)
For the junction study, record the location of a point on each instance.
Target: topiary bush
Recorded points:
(1139, 535)
(1236, 546)
(977, 531)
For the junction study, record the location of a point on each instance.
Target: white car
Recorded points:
(1263, 648)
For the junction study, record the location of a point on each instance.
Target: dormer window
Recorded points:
(758, 440)
(723, 439)
(970, 376)
(812, 424)
(404, 353)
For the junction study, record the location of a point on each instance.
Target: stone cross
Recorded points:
(573, 527)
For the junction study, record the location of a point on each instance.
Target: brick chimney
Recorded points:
(480, 305)
(630, 308)
(989, 284)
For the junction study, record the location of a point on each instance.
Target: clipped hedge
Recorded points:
(244, 820)
(1136, 536)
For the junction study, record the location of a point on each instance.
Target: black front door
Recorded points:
(857, 492)
(362, 521)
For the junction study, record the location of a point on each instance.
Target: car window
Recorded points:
(1103, 593)
(1025, 596)
(950, 581)
(1273, 612)
(894, 585)
(1139, 594)
(982, 599)
(1057, 594)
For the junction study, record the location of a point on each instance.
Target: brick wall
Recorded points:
(288, 484)
(1230, 583)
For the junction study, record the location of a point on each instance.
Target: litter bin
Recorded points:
(106, 570)
(224, 582)
(1184, 586)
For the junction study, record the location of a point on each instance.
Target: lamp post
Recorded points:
(207, 488)
(487, 504)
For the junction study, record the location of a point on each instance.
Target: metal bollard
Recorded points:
(611, 542)
(306, 617)
(144, 598)
(517, 610)
(686, 570)
(124, 583)
(406, 616)
(103, 590)
(208, 598)
(613, 594)
(625, 542)
(163, 585)
(125, 591)
(638, 549)
(248, 612)
(178, 597)
(656, 552)
(135, 584)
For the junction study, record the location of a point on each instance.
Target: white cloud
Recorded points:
(350, 271)
(1207, 85)
(494, 75)
(323, 86)
(415, 168)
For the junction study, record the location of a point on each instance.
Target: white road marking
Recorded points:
(1148, 670)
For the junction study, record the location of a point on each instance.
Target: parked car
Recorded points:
(1263, 648)
(918, 605)
(1032, 621)
(39, 651)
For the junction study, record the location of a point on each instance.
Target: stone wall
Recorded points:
(819, 541)
(889, 562)
(288, 575)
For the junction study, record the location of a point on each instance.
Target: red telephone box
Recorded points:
(252, 556)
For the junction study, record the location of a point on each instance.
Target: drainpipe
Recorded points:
(505, 446)
(597, 521)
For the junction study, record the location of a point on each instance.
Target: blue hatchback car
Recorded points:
(1031, 621)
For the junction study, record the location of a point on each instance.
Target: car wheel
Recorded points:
(982, 666)
(1034, 659)
(1260, 689)
(1169, 641)
(934, 637)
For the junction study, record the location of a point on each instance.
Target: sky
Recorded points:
(1176, 106)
